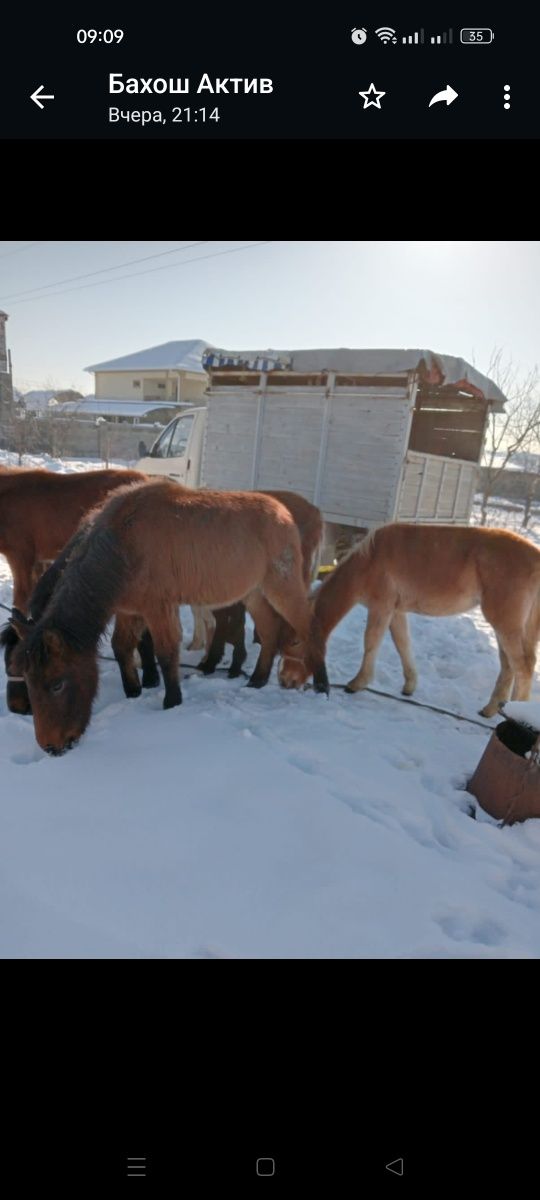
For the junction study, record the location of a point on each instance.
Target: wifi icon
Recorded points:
(385, 34)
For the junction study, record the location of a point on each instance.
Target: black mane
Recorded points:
(84, 597)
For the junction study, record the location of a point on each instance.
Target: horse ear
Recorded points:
(52, 642)
(20, 623)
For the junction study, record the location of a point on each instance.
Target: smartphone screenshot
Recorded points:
(270, 595)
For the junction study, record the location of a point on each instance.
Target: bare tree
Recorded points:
(530, 464)
(517, 429)
(21, 434)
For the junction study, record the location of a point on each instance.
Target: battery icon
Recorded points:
(476, 37)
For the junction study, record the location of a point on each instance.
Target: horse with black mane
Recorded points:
(152, 547)
(127, 632)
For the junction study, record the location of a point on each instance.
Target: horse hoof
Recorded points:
(133, 693)
(320, 681)
(350, 690)
(234, 672)
(207, 668)
(172, 701)
(256, 683)
(150, 679)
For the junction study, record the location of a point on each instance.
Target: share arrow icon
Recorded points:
(40, 95)
(449, 95)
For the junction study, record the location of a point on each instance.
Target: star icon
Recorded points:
(372, 96)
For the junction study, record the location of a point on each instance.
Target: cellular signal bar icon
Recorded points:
(441, 39)
(413, 39)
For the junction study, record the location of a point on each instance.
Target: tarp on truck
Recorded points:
(437, 369)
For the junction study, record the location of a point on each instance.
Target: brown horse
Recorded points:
(128, 633)
(152, 547)
(214, 629)
(437, 571)
(39, 511)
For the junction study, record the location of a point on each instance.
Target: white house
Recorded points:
(171, 373)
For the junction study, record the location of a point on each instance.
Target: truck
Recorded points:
(369, 436)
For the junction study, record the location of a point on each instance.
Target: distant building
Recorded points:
(6, 379)
(40, 402)
(171, 373)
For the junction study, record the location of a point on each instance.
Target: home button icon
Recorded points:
(266, 1166)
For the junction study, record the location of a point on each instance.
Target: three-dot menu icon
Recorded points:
(507, 95)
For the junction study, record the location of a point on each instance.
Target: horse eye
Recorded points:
(58, 687)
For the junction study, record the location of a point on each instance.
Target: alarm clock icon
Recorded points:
(359, 36)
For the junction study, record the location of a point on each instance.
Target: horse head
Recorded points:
(17, 697)
(293, 671)
(61, 680)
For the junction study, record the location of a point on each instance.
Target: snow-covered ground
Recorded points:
(270, 823)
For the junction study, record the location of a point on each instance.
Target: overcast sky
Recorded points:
(462, 298)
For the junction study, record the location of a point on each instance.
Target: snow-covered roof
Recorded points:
(170, 356)
(438, 369)
(37, 400)
(117, 408)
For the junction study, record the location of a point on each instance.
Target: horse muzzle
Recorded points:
(57, 751)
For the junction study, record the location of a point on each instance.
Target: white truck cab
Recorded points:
(176, 453)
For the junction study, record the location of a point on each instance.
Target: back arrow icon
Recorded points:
(37, 97)
(449, 94)
(396, 1167)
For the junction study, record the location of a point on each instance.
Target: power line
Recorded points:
(150, 271)
(130, 262)
(18, 249)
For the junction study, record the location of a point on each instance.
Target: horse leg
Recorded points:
(285, 593)
(217, 646)
(23, 576)
(521, 654)
(268, 624)
(503, 685)
(25, 572)
(17, 698)
(399, 632)
(166, 633)
(524, 672)
(377, 624)
(237, 627)
(123, 644)
(150, 673)
(197, 641)
(209, 619)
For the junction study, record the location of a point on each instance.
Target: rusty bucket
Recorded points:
(506, 783)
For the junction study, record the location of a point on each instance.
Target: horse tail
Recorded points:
(316, 561)
(312, 536)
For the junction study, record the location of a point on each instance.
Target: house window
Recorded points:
(136, 383)
(162, 386)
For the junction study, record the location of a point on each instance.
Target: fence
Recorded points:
(71, 437)
(515, 485)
